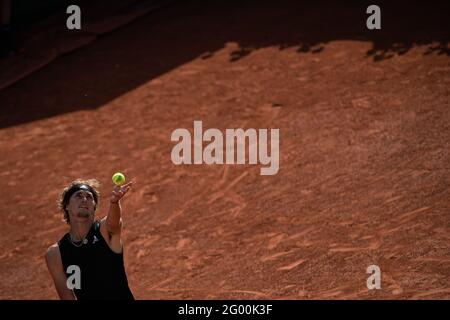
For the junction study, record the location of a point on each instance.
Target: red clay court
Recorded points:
(364, 120)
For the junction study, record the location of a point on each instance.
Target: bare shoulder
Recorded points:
(52, 255)
(113, 239)
(106, 231)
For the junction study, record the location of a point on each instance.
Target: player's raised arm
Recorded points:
(114, 217)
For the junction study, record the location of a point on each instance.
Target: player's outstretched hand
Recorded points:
(119, 191)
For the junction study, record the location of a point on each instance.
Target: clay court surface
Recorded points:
(364, 123)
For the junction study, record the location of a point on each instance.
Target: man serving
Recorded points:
(93, 248)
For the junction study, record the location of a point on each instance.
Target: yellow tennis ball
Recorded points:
(118, 178)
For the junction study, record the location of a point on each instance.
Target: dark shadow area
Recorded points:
(24, 12)
(153, 45)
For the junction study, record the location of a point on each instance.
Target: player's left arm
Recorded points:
(111, 225)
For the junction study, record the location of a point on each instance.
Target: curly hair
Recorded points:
(63, 199)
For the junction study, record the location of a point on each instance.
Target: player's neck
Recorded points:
(79, 230)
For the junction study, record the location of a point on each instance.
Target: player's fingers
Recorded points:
(126, 185)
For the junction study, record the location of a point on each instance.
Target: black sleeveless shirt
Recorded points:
(102, 270)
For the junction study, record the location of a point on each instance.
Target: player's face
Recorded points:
(81, 205)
